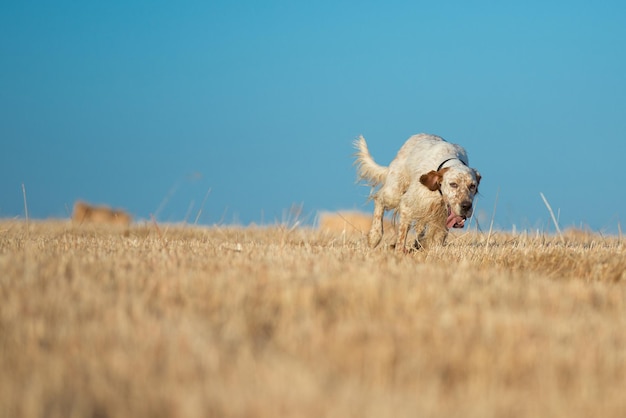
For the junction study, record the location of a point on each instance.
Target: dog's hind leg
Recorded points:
(403, 231)
(376, 230)
(406, 219)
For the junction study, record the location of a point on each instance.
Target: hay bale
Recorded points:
(348, 221)
(87, 213)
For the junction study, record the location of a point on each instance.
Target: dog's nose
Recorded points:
(466, 206)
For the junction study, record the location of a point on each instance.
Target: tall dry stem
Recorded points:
(493, 215)
(206, 196)
(556, 223)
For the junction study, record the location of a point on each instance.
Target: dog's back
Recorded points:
(422, 153)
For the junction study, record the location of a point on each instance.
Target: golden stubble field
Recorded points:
(181, 321)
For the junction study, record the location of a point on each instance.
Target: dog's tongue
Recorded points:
(455, 221)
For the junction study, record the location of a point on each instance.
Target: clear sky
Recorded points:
(155, 106)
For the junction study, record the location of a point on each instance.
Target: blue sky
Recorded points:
(153, 106)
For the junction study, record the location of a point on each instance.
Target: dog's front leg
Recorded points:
(435, 235)
(376, 230)
(403, 231)
(439, 235)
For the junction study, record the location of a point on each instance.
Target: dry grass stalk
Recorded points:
(94, 322)
(493, 216)
(25, 208)
(206, 196)
(554, 220)
(25, 203)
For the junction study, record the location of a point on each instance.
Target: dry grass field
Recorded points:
(181, 321)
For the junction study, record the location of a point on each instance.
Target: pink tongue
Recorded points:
(455, 221)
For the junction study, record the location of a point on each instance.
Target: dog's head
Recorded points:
(458, 185)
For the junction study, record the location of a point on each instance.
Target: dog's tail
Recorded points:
(367, 168)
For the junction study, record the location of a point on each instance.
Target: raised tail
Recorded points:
(367, 168)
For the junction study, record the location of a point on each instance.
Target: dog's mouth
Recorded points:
(454, 220)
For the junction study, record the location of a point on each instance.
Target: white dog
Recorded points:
(428, 184)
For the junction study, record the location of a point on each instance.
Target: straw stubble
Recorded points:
(195, 322)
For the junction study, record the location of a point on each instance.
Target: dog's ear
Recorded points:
(433, 179)
(478, 176)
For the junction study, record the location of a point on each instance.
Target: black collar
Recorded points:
(445, 161)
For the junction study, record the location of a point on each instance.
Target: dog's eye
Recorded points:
(454, 185)
(472, 187)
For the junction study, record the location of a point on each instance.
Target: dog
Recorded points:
(429, 184)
